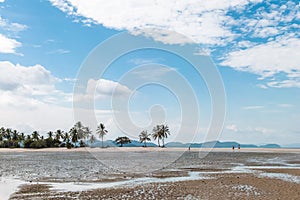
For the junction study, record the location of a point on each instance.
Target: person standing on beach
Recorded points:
(232, 147)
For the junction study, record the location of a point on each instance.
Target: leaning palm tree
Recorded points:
(101, 131)
(144, 137)
(164, 132)
(156, 134)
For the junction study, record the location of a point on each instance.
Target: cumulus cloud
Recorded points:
(31, 80)
(102, 89)
(8, 45)
(28, 86)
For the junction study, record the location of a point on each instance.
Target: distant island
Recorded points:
(218, 144)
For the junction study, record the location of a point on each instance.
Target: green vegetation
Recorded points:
(101, 131)
(122, 140)
(77, 136)
(144, 137)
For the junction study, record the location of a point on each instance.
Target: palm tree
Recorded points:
(92, 140)
(66, 137)
(21, 137)
(50, 135)
(144, 137)
(74, 135)
(58, 135)
(82, 131)
(156, 134)
(101, 131)
(7, 134)
(35, 135)
(164, 131)
(122, 140)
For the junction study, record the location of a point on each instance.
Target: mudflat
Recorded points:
(152, 173)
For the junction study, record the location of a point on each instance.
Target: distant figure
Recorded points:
(239, 147)
(189, 148)
(233, 148)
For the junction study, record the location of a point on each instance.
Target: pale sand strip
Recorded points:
(141, 149)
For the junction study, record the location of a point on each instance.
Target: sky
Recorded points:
(48, 83)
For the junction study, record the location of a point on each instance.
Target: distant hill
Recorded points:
(270, 146)
(295, 145)
(218, 144)
(111, 143)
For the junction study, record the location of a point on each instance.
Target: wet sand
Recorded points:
(221, 174)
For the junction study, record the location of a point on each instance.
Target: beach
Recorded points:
(150, 173)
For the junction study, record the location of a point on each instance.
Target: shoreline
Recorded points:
(154, 149)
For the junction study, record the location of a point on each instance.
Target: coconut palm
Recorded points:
(164, 132)
(87, 133)
(156, 134)
(35, 135)
(82, 131)
(7, 134)
(50, 134)
(21, 137)
(58, 135)
(74, 135)
(144, 137)
(92, 140)
(101, 131)
(122, 140)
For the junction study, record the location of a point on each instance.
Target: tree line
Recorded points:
(77, 136)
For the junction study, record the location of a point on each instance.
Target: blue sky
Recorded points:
(254, 44)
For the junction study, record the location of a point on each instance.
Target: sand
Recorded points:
(84, 174)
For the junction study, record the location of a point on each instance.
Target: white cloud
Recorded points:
(285, 105)
(153, 73)
(1, 1)
(32, 80)
(102, 89)
(8, 45)
(11, 27)
(202, 21)
(232, 127)
(252, 107)
(270, 59)
(30, 85)
(141, 61)
(59, 51)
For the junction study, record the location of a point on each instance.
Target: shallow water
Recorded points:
(8, 186)
(74, 187)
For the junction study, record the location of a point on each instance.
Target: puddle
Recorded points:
(8, 186)
(73, 187)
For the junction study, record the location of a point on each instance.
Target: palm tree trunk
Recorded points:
(102, 141)
(145, 143)
(163, 139)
